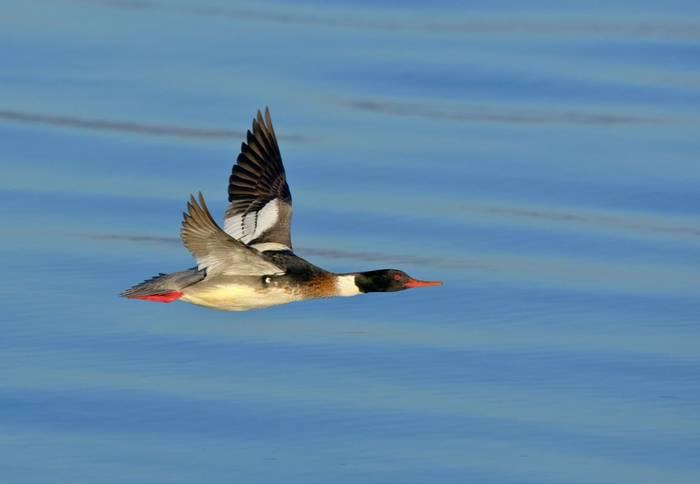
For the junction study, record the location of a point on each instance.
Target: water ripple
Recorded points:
(441, 262)
(603, 221)
(97, 124)
(672, 29)
(482, 114)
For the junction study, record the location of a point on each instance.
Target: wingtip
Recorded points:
(191, 207)
(202, 203)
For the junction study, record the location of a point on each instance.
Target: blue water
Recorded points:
(541, 158)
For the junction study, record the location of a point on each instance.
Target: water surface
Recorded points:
(541, 160)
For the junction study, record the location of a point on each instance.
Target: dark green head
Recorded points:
(388, 280)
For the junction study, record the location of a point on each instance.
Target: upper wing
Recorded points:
(260, 211)
(216, 251)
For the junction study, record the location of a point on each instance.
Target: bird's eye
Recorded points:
(267, 280)
(397, 277)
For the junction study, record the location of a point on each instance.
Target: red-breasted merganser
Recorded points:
(250, 264)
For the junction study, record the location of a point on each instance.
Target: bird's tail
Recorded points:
(165, 288)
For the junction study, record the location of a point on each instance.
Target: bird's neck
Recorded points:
(346, 284)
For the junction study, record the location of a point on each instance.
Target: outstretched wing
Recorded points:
(260, 211)
(216, 251)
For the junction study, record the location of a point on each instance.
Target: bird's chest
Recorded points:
(239, 297)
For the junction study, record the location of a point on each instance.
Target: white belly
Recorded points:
(235, 297)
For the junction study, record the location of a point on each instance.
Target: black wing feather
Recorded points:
(258, 178)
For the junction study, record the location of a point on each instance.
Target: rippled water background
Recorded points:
(541, 160)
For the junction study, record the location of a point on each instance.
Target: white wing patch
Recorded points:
(267, 217)
(264, 246)
(253, 224)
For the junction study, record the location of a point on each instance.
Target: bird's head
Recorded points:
(389, 280)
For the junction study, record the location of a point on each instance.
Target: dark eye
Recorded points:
(397, 277)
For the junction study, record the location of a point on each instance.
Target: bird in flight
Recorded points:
(250, 264)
